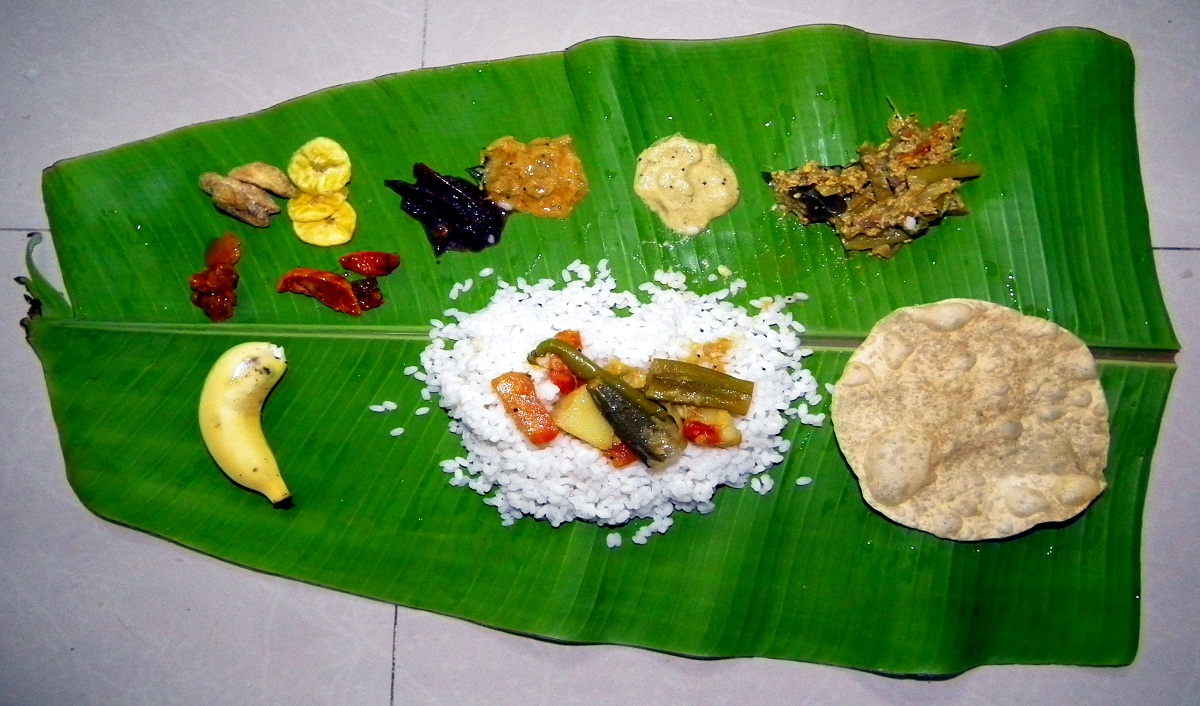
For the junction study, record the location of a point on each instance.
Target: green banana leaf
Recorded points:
(1058, 228)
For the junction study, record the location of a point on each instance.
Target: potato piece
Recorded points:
(579, 416)
(634, 376)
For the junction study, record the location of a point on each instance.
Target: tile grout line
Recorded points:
(424, 32)
(396, 609)
(395, 622)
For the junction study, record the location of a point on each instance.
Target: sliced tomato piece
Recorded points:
(560, 374)
(326, 287)
(620, 455)
(571, 338)
(519, 397)
(701, 434)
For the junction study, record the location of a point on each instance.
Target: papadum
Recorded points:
(970, 420)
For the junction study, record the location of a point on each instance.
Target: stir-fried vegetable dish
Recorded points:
(891, 196)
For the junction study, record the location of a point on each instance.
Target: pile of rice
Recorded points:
(568, 479)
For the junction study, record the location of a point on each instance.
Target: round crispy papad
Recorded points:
(970, 420)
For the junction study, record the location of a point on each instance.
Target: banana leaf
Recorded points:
(1058, 228)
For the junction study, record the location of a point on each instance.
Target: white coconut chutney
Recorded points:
(686, 183)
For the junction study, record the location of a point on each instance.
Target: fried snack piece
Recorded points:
(320, 166)
(265, 177)
(543, 178)
(971, 421)
(337, 229)
(245, 202)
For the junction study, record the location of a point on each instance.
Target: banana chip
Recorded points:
(337, 229)
(307, 208)
(321, 166)
(320, 213)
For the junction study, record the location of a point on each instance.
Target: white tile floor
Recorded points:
(91, 612)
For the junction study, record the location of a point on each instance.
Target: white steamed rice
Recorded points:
(569, 480)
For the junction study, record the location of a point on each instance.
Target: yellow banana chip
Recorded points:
(306, 207)
(335, 230)
(321, 166)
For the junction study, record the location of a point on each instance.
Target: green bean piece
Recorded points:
(949, 170)
(583, 367)
(656, 441)
(666, 369)
(866, 242)
(686, 383)
(699, 396)
(579, 364)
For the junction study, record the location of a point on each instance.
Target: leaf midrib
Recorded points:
(816, 341)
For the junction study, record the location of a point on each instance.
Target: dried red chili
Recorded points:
(214, 289)
(326, 287)
(369, 263)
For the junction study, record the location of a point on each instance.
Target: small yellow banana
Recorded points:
(231, 417)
